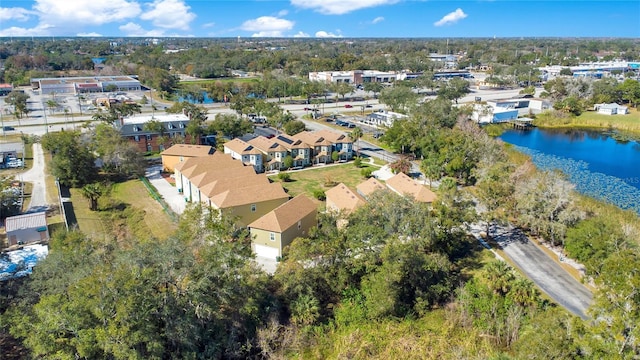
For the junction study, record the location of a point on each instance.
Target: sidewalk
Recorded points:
(169, 193)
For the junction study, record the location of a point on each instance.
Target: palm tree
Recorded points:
(52, 104)
(93, 192)
(356, 134)
(499, 276)
(523, 292)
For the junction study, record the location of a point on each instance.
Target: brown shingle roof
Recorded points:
(231, 180)
(262, 143)
(204, 178)
(240, 147)
(404, 185)
(189, 150)
(197, 165)
(344, 198)
(333, 136)
(249, 195)
(370, 186)
(286, 215)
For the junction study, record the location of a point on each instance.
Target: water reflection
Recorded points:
(599, 165)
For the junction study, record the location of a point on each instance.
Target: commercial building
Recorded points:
(87, 84)
(383, 118)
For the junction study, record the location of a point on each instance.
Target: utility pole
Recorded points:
(46, 123)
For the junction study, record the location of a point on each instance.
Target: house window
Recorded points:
(253, 207)
(299, 225)
(136, 138)
(272, 236)
(149, 148)
(149, 137)
(181, 125)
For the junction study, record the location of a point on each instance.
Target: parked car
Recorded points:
(307, 109)
(348, 106)
(8, 128)
(368, 106)
(351, 125)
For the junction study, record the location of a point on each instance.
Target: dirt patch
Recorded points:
(169, 178)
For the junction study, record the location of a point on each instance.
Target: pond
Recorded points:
(204, 98)
(598, 165)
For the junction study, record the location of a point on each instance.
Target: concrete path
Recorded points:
(36, 176)
(169, 193)
(542, 270)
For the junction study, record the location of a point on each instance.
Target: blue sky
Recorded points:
(320, 18)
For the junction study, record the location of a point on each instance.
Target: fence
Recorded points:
(154, 194)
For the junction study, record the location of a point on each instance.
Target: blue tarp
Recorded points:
(19, 263)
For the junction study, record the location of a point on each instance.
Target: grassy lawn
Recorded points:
(89, 221)
(134, 193)
(592, 119)
(307, 181)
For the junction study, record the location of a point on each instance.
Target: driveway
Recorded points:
(169, 193)
(542, 270)
(36, 176)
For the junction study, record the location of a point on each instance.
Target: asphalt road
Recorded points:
(543, 271)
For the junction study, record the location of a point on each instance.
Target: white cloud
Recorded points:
(377, 20)
(451, 18)
(339, 7)
(169, 14)
(301, 34)
(324, 34)
(208, 25)
(283, 12)
(15, 13)
(91, 34)
(267, 24)
(268, 33)
(135, 30)
(40, 30)
(83, 12)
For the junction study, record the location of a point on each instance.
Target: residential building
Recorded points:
(611, 109)
(27, 228)
(180, 152)
(246, 153)
(192, 167)
(277, 229)
(372, 185)
(273, 152)
(298, 150)
(403, 185)
(341, 198)
(323, 143)
(173, 126)
(247, 204)
(225, 184)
